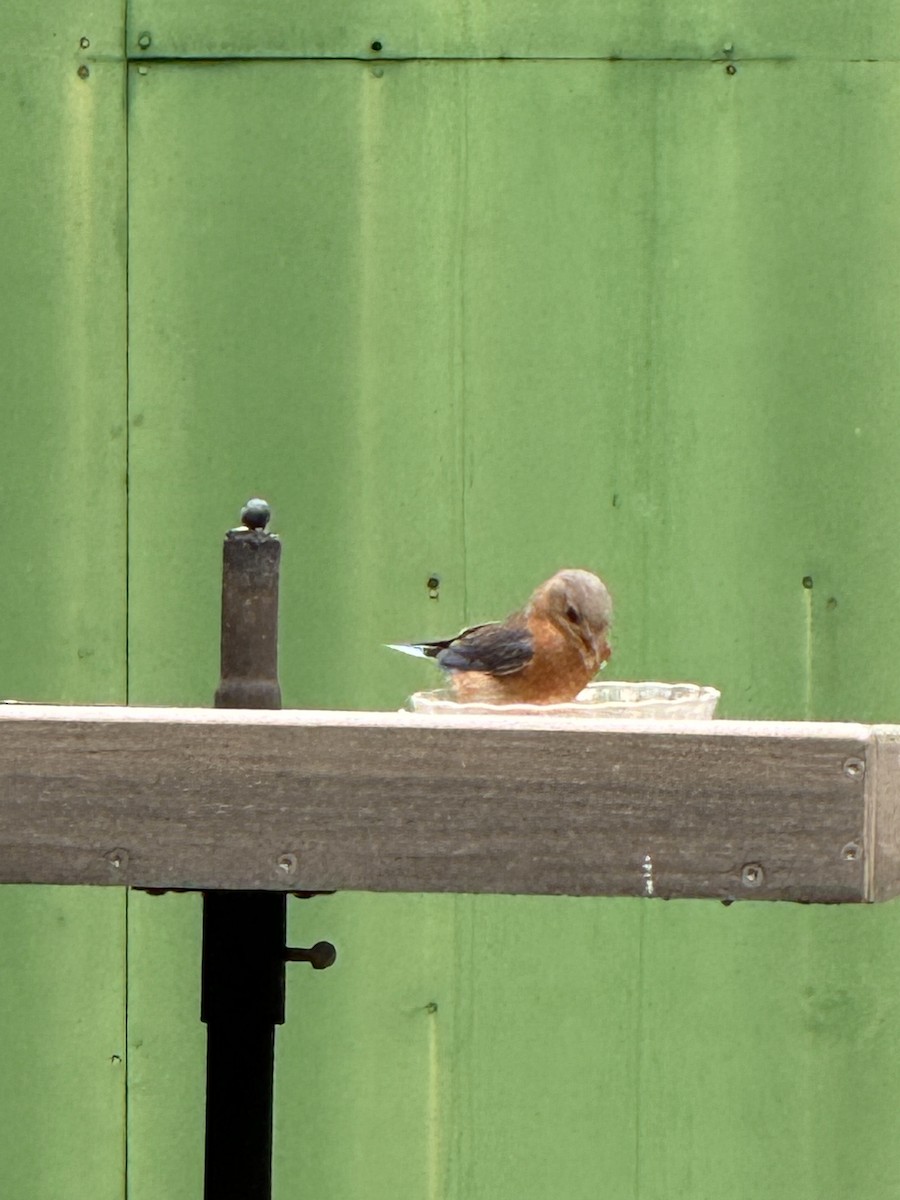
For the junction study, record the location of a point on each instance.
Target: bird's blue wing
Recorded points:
(495, 649)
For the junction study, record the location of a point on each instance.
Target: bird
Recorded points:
(544, 653)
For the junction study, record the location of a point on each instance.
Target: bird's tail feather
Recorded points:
(407, 648)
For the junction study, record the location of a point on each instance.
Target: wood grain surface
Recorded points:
(195, 798)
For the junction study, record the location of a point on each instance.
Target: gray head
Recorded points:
(576, 600)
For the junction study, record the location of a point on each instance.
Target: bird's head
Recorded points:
(579, 603)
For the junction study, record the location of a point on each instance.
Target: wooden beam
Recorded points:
(198, 798)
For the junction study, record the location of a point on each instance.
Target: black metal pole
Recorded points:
(244, 932)
(243, 1001)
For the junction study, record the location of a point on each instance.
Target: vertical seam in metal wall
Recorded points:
(461, 319)
(127, 110)
(638, 1043)
(808, 651)
(126, 1057)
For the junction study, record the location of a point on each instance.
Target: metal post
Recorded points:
(251, 559)
(242, 1002)
(244, 932)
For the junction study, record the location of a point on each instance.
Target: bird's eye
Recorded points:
(572, 615)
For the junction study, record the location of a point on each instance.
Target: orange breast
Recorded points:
(556, 674)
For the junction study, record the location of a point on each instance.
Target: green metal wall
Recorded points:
(63, 592)
(485, 303)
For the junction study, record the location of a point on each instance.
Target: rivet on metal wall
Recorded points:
(85, 43)
(731, 69)
(376, 46)
(83, 71)
(145, 41)
(854, 768)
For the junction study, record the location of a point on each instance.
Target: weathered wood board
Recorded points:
(195, 798)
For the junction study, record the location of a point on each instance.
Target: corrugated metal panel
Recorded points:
(62, 602)
(485, 319)
(62, 359)
(295, 332)
(655, 29)
(62, 1016)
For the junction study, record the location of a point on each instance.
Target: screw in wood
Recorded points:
(854, 768)
(752, 875)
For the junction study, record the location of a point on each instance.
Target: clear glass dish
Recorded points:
(662, 701)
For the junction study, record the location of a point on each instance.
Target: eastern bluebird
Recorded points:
(543, 654)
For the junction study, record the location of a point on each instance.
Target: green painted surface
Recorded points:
(443, 338)
(307, 390)
(484, 320)
(166, 1048)
(654, 29)
(62, 1025)
(681, 358)
(62, 358)
(62, 606)
(462, 1046)
(591, 1049)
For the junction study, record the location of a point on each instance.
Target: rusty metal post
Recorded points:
(244, 932)
(251, 559)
